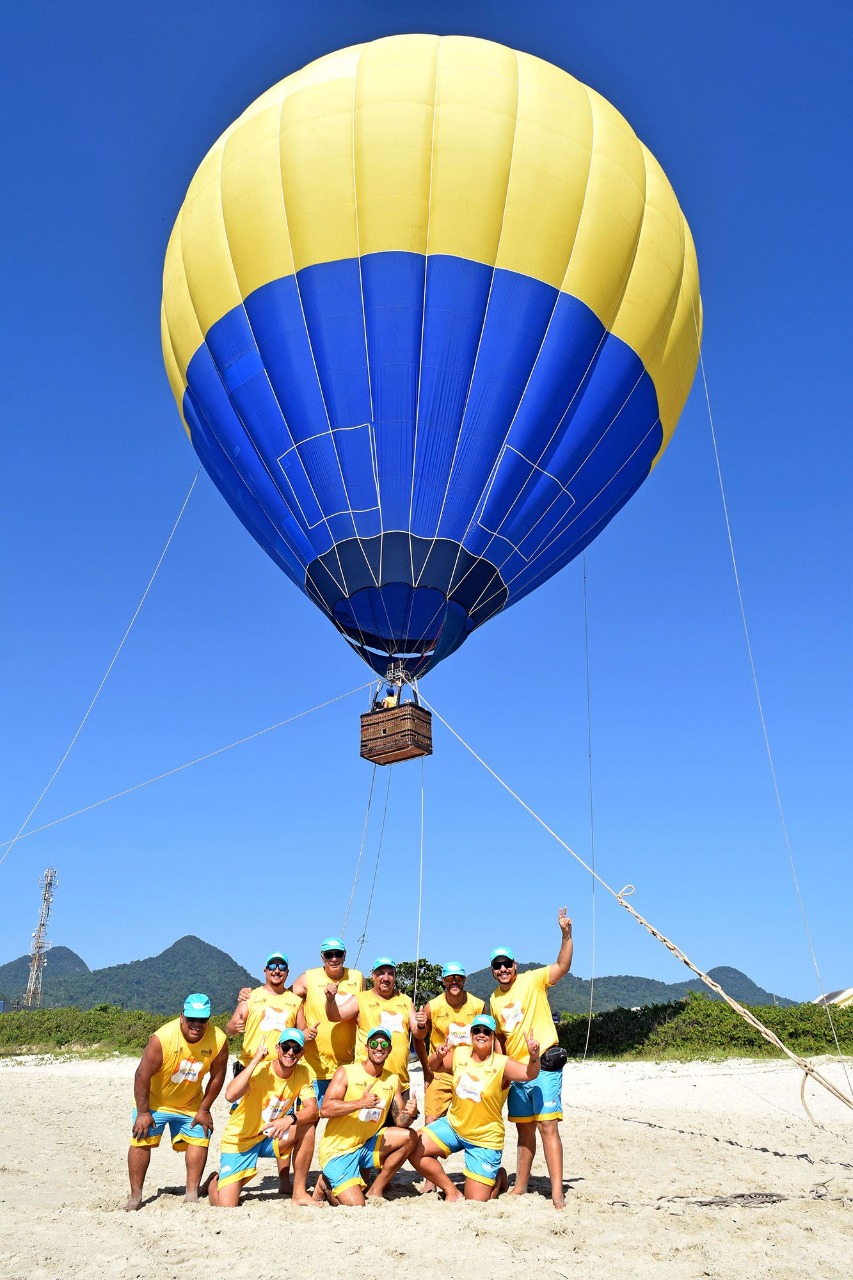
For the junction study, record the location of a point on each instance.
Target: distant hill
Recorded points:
(624, 991)
(159, 984)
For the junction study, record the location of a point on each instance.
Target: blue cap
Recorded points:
(197, 1006)
(294, 1034)
(382, 960)
(275, 955)
(484, 1020)
(502, 951)
(378, 1031)
(453, 968)
(332, 944)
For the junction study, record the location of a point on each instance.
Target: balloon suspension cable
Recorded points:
(764, 731)
(360, 849)
(591, 808)
(209, 755)
(622, 898)
(420, 892)
(363, 937)
(105, 676)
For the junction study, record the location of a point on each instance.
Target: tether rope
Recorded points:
(591, 808)
(420, 892)
(112, 662)
(760, 705)
(621, 898)
(299, 715)
(363, 937)
(360, 850)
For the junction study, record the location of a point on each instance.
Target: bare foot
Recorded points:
(134, 1202)
(558, 1201)
(284, 1183)
(191, 1196)
(451, 1198)
(500, 1184)
(204, 1189)
(426, 1187)
(370, 1194)
(518, 1191)
(302, 1197)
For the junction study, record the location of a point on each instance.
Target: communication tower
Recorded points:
(40, 947)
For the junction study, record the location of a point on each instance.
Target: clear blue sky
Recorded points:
(108, 109)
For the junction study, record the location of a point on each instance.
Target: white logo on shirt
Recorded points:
(369, 1115)
(188, 1070)
(511, 1016)
(275, 1107)
(274, 1019)
(458, 1033)
(468, 1087)
(391, 1021)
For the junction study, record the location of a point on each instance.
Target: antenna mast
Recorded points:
(40, 947)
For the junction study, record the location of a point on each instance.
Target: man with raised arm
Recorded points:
(481, 1078)
(520, 1008)
(381, 1006)
(262, 1013)
(274, 1113)
(359, 1097)
(333, 1042)
(169, 1091)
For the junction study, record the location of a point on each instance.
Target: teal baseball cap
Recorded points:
(383, 960)
(484, 1020)
(332, 944)
(292, 1034)
(197, 1006)
(378, 1031)
(452, 969)
(275, 955)
(502, 951)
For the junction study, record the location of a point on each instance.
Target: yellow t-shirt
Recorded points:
(335, 1043)
(267, 1016)
(452, 1026)
(524, 1010)
(268, 1098)
(348, 1133)
(476, 1109)
(393, 1014)
(178, 1085)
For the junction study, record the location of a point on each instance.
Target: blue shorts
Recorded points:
(539, 1099)
(240, 1166)
(345, 1171)
(481, 1163)
(320, 1087)
(183, 1133)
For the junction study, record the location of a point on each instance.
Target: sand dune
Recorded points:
(676, 1170)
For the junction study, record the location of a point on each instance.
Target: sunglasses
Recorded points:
(196, 1022)
(379, 1042)
(277, 967)
(333, 955)
(482, 1031)
(290, 1046)
(501, 964)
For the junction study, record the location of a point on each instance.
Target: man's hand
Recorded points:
(245, 992)
(564, 923)
(310, 1033)
(281, 1128)
(331, 990)
(421, 1018)
(143, 1122)
(205, 1119)
(532, 1047)
(260, 1053)
(429, 1075)
(370, 1101)
(409, 1111)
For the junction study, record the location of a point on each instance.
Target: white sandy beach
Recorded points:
(646, 1145)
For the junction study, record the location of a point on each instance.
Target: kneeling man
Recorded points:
(357, 1101)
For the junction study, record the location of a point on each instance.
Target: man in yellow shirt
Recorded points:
(382, 1006)
(448, 1019)
(168, 1090)
(481, 1078)
(274, 1114)
(520, 1008)
(328, 1044)
(358, 1099)
(262, 1013)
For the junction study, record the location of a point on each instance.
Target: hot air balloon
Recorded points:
(430, 314)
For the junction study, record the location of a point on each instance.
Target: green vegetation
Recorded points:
(698, 1027)
(429, 980)
(694, 1028)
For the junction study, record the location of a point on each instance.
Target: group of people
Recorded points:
(334, 1048)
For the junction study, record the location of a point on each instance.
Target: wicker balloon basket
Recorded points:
(398, 733)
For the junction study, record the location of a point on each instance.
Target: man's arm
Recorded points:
(149, 1064)
(238, 1086)
(563, 963)
(420, 1050)
(418, 1024)
(215, 1081)
(307, 1114)
(236, 1024)
(300, 987)
(334, 1103)
(515, 1071)
(441, 1058)
(340, 1012)
(403, 1113)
